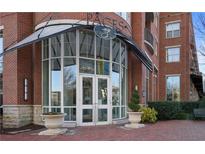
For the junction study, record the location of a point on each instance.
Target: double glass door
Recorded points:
(95, 100)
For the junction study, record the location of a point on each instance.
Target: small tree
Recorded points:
(134, 103)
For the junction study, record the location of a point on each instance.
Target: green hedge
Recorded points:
(175, 110)
(166, 110)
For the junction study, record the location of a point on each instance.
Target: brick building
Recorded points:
(87, 64)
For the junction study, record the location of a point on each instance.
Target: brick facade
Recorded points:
(26, 62)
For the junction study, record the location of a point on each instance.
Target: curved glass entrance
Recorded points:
(85, 77)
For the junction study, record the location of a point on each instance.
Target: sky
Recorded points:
(200, 39)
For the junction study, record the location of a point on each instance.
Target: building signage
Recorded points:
(104, 32)
(97, 18)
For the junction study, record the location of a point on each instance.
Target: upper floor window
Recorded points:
(173, 88)
(124, 15)
(172, 54)
(173, 30)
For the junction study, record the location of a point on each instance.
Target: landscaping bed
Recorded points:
(176, 110)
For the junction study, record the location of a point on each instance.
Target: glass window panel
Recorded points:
(70, 114)
(176, 33)
(56, 46)
(102, 91)
(70, 44)
(173, 54)
(173, 88)
(87, 90)
(55, 109)
(173, 30)
(102, 115)
(115, 84)
(123, 112)
(116, 50)
(169, 34)
(46, 49)
(123, 86)
(87, 115)
(87, 39)
(69, 77)
(86, 66)
(116, 112)
(55, 82)
(123, 54)
(102, 48)
(45, 110)
(102, 67)
(46, 83)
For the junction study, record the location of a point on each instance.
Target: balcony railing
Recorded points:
(149, 39)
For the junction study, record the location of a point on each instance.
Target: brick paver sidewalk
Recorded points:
(163, 130)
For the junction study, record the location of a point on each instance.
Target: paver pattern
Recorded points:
(181, 130)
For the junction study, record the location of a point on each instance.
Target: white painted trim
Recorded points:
(173, 46)
(172, 22)
(147, 55)
(1, 27)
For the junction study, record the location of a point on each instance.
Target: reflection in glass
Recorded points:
(102, 91)
(116, 112)
(56, 110)
(116, 51)
(56, 46)
(87, 39)
(102, 68)
(69, 78)
(87, 66)
(123, 86)
(45, 110)
(173, 88)
(123, 112)
(102, 48)
(115, 84)
(45, 49)
(87, 91)
(70, 114)
(123, 54)
(102, 115)
(45, 83)
(55, 82)
(70, 43)
(87, 115)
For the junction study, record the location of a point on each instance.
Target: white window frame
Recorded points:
(173, 22)
(173, 75)
(169, 47)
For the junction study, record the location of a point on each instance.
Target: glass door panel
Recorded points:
(87, 91)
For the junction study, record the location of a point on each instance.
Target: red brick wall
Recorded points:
(181, 67)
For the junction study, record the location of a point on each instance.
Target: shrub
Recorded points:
(149, 115)
(188, 107)
(182, 116)
(166, 110)
(134, 104)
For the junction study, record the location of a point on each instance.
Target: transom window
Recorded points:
(173, 88)
(172, 54)
(173, 30)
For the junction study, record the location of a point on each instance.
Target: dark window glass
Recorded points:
(102, 48)
(87, 39)
(69, 82)
(56, 46)
(70, 44)
(116, 50)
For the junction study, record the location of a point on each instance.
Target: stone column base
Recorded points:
(37, 112)
(15, 116)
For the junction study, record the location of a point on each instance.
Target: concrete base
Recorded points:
(134, 125)
(15, 116)
(58, 131)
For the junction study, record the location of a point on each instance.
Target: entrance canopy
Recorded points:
(52, 30)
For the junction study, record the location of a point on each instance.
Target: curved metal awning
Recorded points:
(52, 30)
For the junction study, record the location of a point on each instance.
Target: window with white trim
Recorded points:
(172, 54)
(173, 88)
(173, 30)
